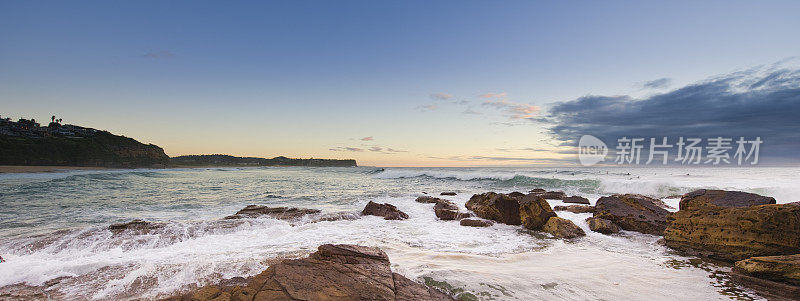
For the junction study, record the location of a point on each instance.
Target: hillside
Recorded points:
(226, 160)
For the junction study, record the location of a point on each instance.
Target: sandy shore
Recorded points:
(22, 169)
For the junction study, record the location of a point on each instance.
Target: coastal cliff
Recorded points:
(100, 149)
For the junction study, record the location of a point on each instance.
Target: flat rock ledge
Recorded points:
(334, 272)
(282, 213)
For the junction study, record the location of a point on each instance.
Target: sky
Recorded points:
(406, 83)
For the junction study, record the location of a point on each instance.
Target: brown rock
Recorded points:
(136, 225)
(600, 225)
(448, 193)
(633, 212)
(733, 233)
(575, 208)
(516, 194)
(538, 190)
(722, 198)
(473, 222)
(784, 268)
(427, 199)
(387, 211)
(562, 228)
(549, 195)
(534, 211)
(576, 200)
(339, 272)
(334, 272)
(772, 290)
(282, 213)
(530, 211)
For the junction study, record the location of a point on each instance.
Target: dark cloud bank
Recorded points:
(760, 102)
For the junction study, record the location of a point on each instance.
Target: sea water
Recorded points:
(54, 226)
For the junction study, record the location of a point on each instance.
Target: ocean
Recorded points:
(54, 226)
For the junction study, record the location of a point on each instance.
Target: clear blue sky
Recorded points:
(313, 78)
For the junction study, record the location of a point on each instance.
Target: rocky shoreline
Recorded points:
(760, 238)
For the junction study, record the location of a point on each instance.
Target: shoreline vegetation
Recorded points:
(26, 143)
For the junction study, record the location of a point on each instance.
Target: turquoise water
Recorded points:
(55, 225)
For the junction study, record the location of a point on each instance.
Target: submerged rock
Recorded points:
(448, 193)
(562, 228)
(633, 212)
(474, 222)
(576, 200)
(386, 210)
(600, 225)
(575, 208)
(282, 213)
(334, 272)
(710, 225)
(427, 199)
(136, 225)
(531, 211)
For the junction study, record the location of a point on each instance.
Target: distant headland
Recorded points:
(26, 142)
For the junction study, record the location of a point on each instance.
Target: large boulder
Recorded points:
(334, 272)
(282, 213)
(576, 200)
(562, 228)
(530, 210)
(711, 226)
(600, 225)
(575, 208)
(386, 210)
(723, 198)
(633, 212)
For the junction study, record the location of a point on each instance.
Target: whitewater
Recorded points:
(54, 230)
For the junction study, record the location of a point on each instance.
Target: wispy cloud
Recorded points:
(470, 111)
(512, 109)
(346, 149)
(657, 83)
(162, 54)
(370, 138)
(441, 96)
(427, 108)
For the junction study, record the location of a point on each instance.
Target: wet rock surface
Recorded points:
(600, 225)
(711, 226)
(474, 222)
(722, 198)
(549, 195)
(386, 210)
(530, 211)
(562, 228)
(137, 225)
(334, 272)
(575, 208)
(282, 213)
(784, 268)
(633, 212)
(576, 200)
